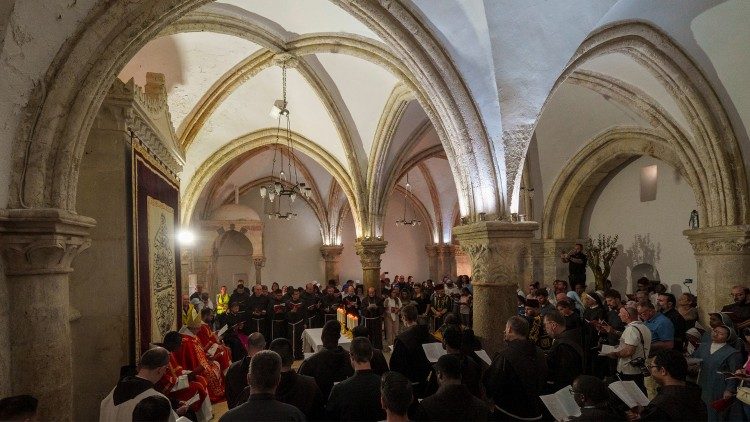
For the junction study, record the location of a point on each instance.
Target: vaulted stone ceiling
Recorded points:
(362, 115)
(221, 65)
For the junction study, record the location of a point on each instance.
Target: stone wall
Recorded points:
(99, 286)
(4, 336)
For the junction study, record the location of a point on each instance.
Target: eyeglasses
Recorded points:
(573, 392)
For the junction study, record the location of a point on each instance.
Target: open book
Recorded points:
(433, 351)
(561, 405)
(222, 331)
(629, 393)
(212, 350)
(182, 383)
(484, 356)
(193, 399)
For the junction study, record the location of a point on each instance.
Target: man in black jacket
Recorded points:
(300, 391)
(453, 401)
(263, 378)
(676, 400)
(517, 375)
(408, 356)
(330, 364)
(358, 397)
(378, 363)
(236, 378)
(565, 357)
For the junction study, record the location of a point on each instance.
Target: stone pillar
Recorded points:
(447, 259)
(433, 262)
(369, 252)
(259, 262)
(500, 254)
(552, 266)
(723, 258)
(331, 255)
(38, 247)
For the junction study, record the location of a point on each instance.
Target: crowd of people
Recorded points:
(565, 337)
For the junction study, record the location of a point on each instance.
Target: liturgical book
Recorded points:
(629, 393)
(433, 351)
(561, 404)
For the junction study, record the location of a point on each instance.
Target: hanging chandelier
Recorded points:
(284, 185)
(403, 221)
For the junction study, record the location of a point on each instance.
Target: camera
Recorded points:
(640, 363)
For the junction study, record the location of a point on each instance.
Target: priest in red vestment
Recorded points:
(211, 344)
(191, 356)
(196, 384)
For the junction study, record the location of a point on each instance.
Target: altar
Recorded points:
(312, 343)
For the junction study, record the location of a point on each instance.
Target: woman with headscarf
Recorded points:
(718, 357)
(722, 318)
(593, 313)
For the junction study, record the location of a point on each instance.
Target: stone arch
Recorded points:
(246, 144)
(222, 247)
(579, 179)
(710, 147)
(49, 144)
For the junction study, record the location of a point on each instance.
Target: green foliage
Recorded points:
(601, 254)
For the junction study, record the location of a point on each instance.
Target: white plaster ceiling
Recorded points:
(624, 68)
(573, 116)
(246, 111)
(191, 63)
(305, 16)
(364, 87)
(413, 118)
(442, 176)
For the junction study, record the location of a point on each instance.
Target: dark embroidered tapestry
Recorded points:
(157, 259)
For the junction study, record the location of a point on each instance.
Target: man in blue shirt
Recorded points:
(662, 329)
(662, 337)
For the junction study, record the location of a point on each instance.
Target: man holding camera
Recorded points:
(634, 347)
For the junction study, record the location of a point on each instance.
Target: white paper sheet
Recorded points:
(182, 383)
(222, 331)
(484, 356)
(629, 393)
(561, 404)
(433, 351)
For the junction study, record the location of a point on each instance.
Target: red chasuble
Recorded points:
(168, 381)
(191, 356)
(207, 338)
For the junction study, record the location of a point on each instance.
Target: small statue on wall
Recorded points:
(694, 220)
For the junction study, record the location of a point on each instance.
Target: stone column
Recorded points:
(331, 255)
(38, 247)
(259, 262)
(369, 252)
(723, 259)
(500, 254)
(552, 266)
(433, 262)
(447, 261)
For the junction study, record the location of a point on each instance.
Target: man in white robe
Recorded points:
(119, 404)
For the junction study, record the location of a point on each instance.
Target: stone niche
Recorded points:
(101, 295)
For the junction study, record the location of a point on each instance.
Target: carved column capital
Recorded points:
(369, 252)
(723, 240)
(42, 241)
(331, 253)
(259, 261)
(500, 251)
